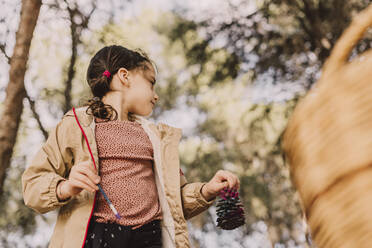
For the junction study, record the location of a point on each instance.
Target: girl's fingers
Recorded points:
(225, 184)
(88, 170)
(81, 185)
(231, 182)
(82, 181)
(230, 178)
(238, 184)
(235, 181)
(89, 173)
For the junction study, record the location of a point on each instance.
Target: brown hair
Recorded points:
(111, 59)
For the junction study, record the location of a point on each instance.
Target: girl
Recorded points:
(115, 175)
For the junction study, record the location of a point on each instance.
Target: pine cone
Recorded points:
(230, 211)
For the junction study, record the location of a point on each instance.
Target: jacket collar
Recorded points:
(161, 130)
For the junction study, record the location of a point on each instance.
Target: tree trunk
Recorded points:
(15, 91)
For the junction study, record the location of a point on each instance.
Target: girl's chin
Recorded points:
(145, 111)
(145, 114)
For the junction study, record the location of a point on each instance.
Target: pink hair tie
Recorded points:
(107, 74)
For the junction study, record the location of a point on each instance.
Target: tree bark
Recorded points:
(76, 30)
(15, 91)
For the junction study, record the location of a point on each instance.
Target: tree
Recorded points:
(15, 91)
(288, 40)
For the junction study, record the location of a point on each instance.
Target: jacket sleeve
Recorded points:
(193, 202)
(47, 169)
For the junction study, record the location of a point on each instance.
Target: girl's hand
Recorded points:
(82, 176)
(220, 180)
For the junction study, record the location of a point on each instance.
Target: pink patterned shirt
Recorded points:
(126, 168)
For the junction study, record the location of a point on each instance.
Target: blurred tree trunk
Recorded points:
(76, 28)
(15, 91)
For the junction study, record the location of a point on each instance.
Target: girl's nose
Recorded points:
(156, 97)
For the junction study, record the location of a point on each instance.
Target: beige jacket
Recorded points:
(66, 146)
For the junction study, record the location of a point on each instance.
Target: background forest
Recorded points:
(230, 74)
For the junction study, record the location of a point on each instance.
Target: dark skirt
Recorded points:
(111, 235)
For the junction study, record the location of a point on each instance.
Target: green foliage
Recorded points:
(200, 158)
(217, 64)
(238, 135)
(285, 38)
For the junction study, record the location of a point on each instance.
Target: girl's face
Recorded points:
(141, 96)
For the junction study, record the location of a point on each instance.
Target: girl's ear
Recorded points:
(123, 76)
